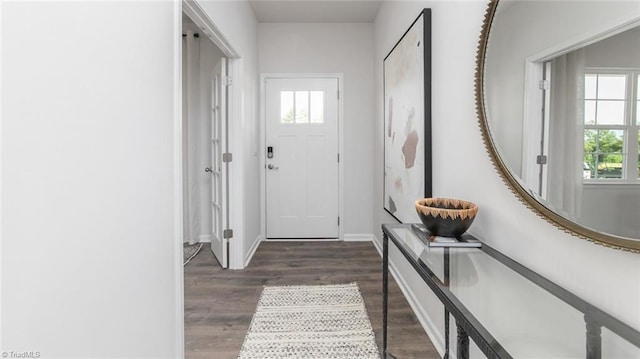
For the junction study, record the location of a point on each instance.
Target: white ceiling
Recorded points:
(315, 11)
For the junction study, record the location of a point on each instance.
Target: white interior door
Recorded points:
(301, 117)
(219, 168)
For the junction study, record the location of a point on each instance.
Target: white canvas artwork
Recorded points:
(404, 121)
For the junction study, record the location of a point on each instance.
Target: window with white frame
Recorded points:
(611, 125)
(301, 107)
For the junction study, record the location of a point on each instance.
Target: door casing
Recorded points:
(262, 151)
(235, 106)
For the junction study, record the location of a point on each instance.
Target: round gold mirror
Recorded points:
(558, 100)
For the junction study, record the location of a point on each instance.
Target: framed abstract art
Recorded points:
(407, 121)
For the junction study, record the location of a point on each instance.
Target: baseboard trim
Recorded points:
(204, 238)
(427, 324)
(358, 237)
(301, 239)
(252, 250)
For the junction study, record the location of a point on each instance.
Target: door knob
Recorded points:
(272, 167)
(208, 169)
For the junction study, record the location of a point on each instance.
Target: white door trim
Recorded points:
(177, 177)
(262, 151)
(234, 110)
(235, 181)
(200, 18)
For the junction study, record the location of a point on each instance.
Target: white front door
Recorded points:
(219, 168)
(302, 157)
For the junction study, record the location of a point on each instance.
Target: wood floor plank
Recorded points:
(219, 304)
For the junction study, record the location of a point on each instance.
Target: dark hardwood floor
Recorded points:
(219, 304)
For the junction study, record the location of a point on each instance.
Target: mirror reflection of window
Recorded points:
(638, 100)
(605, 98)
(609, 126)
(571, 142)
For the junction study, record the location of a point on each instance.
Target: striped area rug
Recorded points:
(323, 321)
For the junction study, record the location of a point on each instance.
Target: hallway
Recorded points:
(219, 304)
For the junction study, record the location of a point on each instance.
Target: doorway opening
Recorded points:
(204, 141)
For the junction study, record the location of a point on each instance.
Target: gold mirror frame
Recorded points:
(513, 183)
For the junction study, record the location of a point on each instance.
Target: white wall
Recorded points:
(612, 209)
(238, 24)
(610, 279)
(345, 48)
(90, 241)
(615, 51)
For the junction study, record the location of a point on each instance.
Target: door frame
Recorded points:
(263, 140)
(234, 112)
(236, 174)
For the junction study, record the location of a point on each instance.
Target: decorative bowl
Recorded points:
(446, 217)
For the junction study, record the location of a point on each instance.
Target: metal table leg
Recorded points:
(594, 339)
(385, 291)
(463, 343)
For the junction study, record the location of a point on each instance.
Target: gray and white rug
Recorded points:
(189, 251)
(323, 321)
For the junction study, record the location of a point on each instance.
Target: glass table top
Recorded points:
(527, 320)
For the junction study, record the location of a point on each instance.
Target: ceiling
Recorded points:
(315, 11)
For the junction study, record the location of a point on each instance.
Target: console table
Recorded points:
(508, 310)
